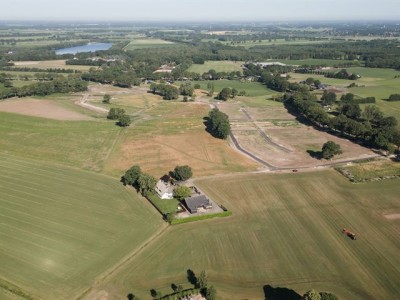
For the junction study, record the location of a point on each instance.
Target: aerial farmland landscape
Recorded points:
(200, 150)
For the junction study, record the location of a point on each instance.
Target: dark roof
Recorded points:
(196, 201)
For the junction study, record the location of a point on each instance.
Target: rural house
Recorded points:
(164, 190)
(195, 202)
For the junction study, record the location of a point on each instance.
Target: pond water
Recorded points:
(85, 48)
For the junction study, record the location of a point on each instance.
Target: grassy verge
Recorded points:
(203, 217)
(371, 171)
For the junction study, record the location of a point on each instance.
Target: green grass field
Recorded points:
(61, 227)
(315, 62)
(253, 89)
(147, 43)
(218, 66)
(83, 144)
(285, 232)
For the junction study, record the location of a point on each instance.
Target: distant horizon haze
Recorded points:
(200, 11)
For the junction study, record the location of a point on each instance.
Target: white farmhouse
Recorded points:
(164, 190)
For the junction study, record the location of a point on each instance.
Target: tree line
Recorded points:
(369, 126)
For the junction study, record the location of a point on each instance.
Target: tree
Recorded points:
(372, 114)
(170, 217)
(328, 98)
(181, 192)
(312, 295)
(328, 296)
(224, 94)
(146, 183)
(396, 139)
(132, 175)
(186, 89)
(115, 113)
(218, 124)
(234, 93)
(106, 98)
(351, 110)
(124, 120)
(202, 281)
(330, 149)
(182, 172)
(349, 97)
(211, 293)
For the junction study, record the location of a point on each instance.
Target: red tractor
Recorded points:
(349, 234)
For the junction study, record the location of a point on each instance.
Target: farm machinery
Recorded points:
(350, 234)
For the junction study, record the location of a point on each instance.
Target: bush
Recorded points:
(330, 149)
(394, 97)
(124, 121)
(115, 113)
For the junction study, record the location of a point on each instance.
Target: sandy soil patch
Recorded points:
(392, 216)
(281, 127)
(41, 108)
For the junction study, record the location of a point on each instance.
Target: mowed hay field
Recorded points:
(285, 232)
(50, 64)
(171, 134)
(61, 227)
(148, 43)
(83, 144)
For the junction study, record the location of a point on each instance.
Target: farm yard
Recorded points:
(286, 231)
(62, 227)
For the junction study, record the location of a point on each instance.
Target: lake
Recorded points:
(85, 48)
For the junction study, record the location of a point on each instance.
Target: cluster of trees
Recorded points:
(47, 70)
(218, 124)
(143, 182)
(117, 75)
(370, 126)
(59, 85)
(119, 114)
(186, 89)
(227, 93)
(342, 74)
(167, 91)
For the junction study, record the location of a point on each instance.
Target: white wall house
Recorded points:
(164, 190)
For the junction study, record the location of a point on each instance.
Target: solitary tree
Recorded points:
(330, 149)
(182, 172)
(181, 192)
(224, 94)
(106, 98)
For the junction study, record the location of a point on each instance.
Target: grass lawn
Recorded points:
(147, 43)
(285, 232)
(218, 66)
(83, 144)
(61, 228)
(164, 205)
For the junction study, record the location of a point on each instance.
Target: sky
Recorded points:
(199, 10)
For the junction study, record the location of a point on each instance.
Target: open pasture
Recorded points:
(147, 43)
(285, 232)
(171, 134)
(314, 62)
(133, 100)
(83, 144)
(218, 66)
(61, 228)
(253, 89)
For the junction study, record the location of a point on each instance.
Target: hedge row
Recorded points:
(202, 217)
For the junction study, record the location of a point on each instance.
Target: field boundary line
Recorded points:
(123, 262)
